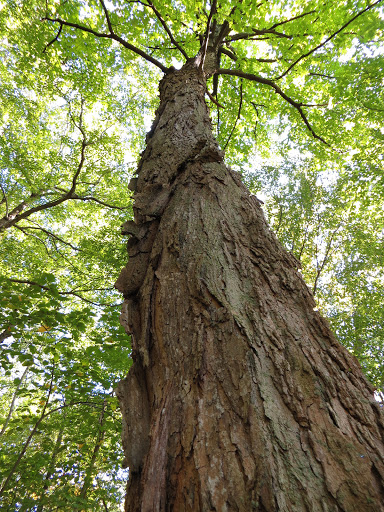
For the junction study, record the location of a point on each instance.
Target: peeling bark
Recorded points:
(239, 398)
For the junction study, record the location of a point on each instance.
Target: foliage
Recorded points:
(296, 105)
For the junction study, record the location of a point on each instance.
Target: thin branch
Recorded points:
(27, 442)
(257, 32)
(233, 56)
(372, 108)
(238, 116)
(291, 19)
(48, 289)
(270, 83)
(36, 237)
(167, 29)
(107, 16)
(327, 40)
(31, 283)
(280, 219)
(33, 431)
(4, 200)
(327, 253)
(104, 504)
(304, 242)
(267, 60)
(323, 76)
(213, 99)
(54, 39)
(108, 289)
(314, 104)
(230, 54)
(52, 235)
(112, 36)
(99, 440)
(90, 198)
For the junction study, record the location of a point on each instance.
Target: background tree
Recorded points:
(270, 65)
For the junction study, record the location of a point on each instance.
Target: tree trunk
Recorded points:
(239, 397)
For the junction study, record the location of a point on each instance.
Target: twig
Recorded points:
(34, 236)
(107, 17)
(257, 32)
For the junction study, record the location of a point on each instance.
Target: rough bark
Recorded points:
(239, 397)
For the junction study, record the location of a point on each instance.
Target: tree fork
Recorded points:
(239, 397)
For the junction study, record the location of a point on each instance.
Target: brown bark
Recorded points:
(239, 397)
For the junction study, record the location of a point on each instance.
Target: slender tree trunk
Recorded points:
(239, 398)
(51, 469)
(91, 467)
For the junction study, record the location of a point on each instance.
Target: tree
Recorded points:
(239, 396)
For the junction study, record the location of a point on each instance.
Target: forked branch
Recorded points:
(111, 36)
(265, 81)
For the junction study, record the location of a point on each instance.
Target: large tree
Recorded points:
(239, 397)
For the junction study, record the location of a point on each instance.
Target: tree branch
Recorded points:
(327, 40)
(375, 109)
(256, 32)
(15, 216)
(14, 396)
(36, 237)
(270, 83)
(52, 235)
(325, 260)
(27, 442)
(167, 29)
(238, 116)
(291, 19)
(112, 36)
(48, 289)
(233, 56)
(107, 16)
(5, 200)
(213, 99)
(90, 198)
(54, 39)
(204, 45)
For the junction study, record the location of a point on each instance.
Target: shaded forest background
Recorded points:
(74, 114)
